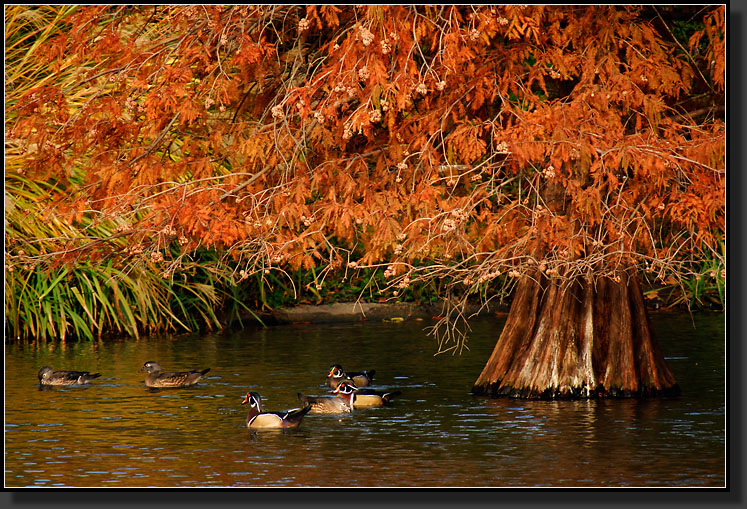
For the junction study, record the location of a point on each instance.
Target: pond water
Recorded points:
(117, 433)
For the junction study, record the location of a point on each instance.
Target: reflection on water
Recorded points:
(117, 433)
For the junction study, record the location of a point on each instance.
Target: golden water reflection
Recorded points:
(116, 432)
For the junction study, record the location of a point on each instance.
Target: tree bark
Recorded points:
(577, 339)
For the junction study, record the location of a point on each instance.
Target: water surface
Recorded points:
(116, 432)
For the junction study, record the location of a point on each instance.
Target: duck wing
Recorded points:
(294, 414)
(179, 378)
(73, 377)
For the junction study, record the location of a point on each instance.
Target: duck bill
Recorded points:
(246, 400)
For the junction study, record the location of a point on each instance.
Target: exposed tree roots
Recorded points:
(577, 339)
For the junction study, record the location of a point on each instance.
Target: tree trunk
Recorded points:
(578, 340)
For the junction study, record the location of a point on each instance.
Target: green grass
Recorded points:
(62, 280)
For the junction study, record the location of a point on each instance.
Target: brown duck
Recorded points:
(48, 376)
(341, 403)
(158, 378)
(258, 419)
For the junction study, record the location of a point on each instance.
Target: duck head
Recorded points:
(151, 367)
(45, 372)
(346, 390)
(336, 371)
(254, 400)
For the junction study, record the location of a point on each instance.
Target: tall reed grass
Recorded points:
(66, 278)
(50, 292)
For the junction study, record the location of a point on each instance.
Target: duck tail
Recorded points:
(204, 371)
(389, 395)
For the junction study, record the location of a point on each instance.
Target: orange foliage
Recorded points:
(382, 134)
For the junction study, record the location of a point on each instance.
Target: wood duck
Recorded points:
(371, 398)
(341, 403)
(48, 376)
(359, 378)
(157, 378)
(257, 419)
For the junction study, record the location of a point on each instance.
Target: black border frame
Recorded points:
(731, 496)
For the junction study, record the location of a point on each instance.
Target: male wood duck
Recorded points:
(371, 398)
(359, 378)
(257, 419)
(341, 403)
(48, 376)
(157, 378)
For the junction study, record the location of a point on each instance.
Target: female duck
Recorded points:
(157, 378)
(258, 419)
(342, 403)
(48, 376)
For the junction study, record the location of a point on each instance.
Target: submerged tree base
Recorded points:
(499, 390)
(577, 339)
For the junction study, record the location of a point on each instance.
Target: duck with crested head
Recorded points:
(259, 419)
(341, 403)
(156, 377)
(359, 378)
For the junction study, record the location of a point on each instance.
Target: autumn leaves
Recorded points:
(378, 135)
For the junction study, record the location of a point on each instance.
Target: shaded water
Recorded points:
(117, 433)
